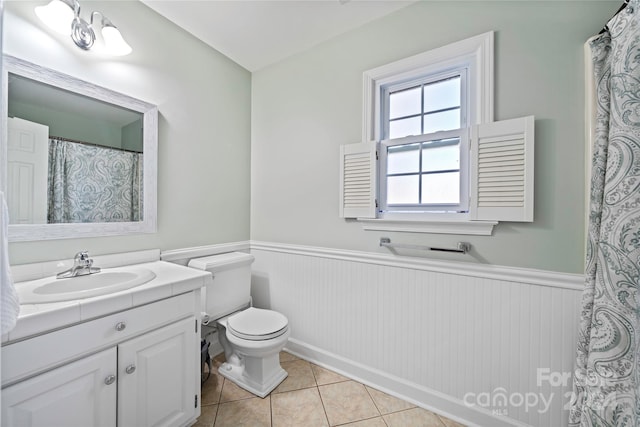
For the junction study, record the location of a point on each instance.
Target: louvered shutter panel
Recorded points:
(502, 170)
(358, 180)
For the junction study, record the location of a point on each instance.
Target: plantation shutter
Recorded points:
(358, 180)
(502, 170)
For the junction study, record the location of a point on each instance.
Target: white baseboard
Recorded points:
(416, 394)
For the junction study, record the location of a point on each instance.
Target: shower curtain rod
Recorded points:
(622, 7)
(93, 144)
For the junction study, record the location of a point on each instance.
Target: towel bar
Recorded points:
(463, 247)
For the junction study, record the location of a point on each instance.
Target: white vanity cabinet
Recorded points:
(135, 368)
(79, 394)
(155, 377)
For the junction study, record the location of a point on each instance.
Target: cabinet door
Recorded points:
(80, 394)
(157, 377)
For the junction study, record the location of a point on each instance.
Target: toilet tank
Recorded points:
(230, 289)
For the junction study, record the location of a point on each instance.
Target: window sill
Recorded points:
(463, 227)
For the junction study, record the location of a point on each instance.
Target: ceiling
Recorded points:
(257, 33)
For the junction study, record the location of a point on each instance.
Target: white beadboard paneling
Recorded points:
(429, 332)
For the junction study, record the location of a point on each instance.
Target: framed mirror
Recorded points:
(78, 160)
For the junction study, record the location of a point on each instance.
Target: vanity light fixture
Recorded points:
(63, 16)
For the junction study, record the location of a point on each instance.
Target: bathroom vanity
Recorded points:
(126, 358)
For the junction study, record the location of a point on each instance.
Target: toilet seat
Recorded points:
(257, 324)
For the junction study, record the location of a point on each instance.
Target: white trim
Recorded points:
(511, 274)
(183, 255)
(468, 228)
(401, 388)
(477, 51)
(476, 54)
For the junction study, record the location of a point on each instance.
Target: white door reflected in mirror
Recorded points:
(27, 158)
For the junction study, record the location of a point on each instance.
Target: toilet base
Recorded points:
(252, 365)
(236, 374)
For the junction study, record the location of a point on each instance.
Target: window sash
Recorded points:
(438, 139)
(394, 87)
(461, 134)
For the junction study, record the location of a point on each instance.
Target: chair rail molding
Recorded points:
(460, 268)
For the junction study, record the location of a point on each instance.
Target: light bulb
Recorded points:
(114, 42)
(57, 15)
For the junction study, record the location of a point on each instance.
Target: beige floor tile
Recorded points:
(300, 376)
(207, 416)
(346, 402)
(449, 423)
(298, 408)
(211, 389)
(232, 392)
(387, 404)
(287, 357)
(325, 376)
(254, 412)
(371, 422)
(218, 360)
(416, 417)
(310, 396)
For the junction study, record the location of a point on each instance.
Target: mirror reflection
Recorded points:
(71, 158)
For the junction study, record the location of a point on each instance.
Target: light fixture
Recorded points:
(63, 16)
(57, 15)
(114, 43)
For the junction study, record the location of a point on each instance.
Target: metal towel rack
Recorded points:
(462, 248)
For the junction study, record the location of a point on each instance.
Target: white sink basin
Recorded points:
(105, 282)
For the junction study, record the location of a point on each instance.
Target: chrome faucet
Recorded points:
(82, 265)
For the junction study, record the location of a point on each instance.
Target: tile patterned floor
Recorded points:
(310, 396)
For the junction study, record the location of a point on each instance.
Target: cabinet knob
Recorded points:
(120, 326)
(110, 379)
(130, 369)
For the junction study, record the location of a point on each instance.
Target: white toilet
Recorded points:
(251, 338)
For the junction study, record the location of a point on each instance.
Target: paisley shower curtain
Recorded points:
(607, 375)
(93, 184)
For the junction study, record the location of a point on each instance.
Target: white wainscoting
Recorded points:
(436, 333)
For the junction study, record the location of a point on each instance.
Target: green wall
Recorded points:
(204, 124)
(305, 107)
(235, 146)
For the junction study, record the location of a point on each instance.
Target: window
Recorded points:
(424, 151)
(435, 155)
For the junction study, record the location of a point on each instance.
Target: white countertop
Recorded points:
(171, 279)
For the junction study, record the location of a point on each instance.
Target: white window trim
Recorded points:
(475, 53)
(454, 226)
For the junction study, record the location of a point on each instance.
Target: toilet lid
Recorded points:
(257, 324)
